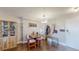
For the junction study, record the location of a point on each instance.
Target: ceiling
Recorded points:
(36, 13)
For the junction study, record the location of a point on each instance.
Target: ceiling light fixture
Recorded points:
(76, 9)
(44, 20)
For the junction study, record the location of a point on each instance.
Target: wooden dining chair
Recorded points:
(31, 43)
(38, 42)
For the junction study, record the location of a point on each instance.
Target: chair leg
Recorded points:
(35, 45)
(28, 48)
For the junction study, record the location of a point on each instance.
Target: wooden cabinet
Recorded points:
(8, 35)
(12, 42)
(1, 35)
(0, 44)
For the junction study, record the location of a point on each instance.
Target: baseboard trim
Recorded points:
(60, 43)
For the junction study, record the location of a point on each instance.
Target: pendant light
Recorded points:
(44, 20)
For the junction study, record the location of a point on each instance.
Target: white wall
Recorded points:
(70, 23)
(72, 37)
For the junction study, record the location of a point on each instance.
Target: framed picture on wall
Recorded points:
(32, 25)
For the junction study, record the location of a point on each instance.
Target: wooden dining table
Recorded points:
(38, 39)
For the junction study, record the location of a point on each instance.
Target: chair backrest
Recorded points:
(27, 36)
